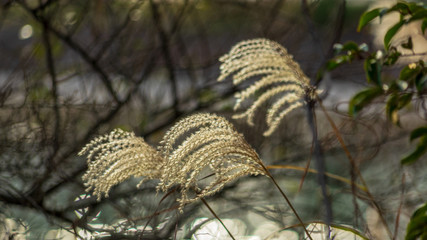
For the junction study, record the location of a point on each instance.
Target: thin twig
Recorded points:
(155, 211)
(399, 211)
(167, 56)
(304, 175)
(75, 47)
(354, 165)
(51, 69)
(116, 33)
(272, 16)
(312, 29)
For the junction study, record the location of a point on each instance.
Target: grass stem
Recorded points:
(219, 219)
(286, 199)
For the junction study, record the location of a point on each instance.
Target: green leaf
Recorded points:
(338, 60)
(421, 83)
(409, 72)
(401, 85)
(420, 14)
(391, 32)
(363, 98)
(404, 100)
(392, 56)
(373, 71)
(419, 132)
(408, 44)
(414, 8)
(420, 211)
(424, 26)
(417, 153)
(417, 227)
(350, 46)
(401, 7)
(395, 103)
(319, 230)
(367, 17)
(391, 109)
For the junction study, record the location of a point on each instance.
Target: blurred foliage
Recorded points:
(417, 227)
(400, 92)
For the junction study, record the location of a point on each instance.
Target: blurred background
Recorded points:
(71, 70)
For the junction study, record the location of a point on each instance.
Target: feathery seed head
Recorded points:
(117, 156)
(200, 154)
(278, 73)
(205, 146)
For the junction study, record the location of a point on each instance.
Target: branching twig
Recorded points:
(76, 47)
(51, 70)
(167, 56)
(354, 166)
(399, 210)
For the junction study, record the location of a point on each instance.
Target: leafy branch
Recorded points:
(400, 92)
(411, 84)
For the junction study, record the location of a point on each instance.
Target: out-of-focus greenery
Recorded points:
(408, 88)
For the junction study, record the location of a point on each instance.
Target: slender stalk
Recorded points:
(286, 198)
(319, 161)
(306, 170)
(216, 216)
(309, 170)
(399, 210)
(156, 211)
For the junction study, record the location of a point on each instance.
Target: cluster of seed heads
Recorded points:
(201, 146)
(204, 146)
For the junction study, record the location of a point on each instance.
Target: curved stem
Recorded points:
(216, 216)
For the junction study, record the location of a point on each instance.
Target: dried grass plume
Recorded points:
(280, 79)
(205, 147)
(117, 156)
(199, 154)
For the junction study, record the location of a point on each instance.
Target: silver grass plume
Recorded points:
(280, 79)
(202, 149)
(205, 145)
(117, 156)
